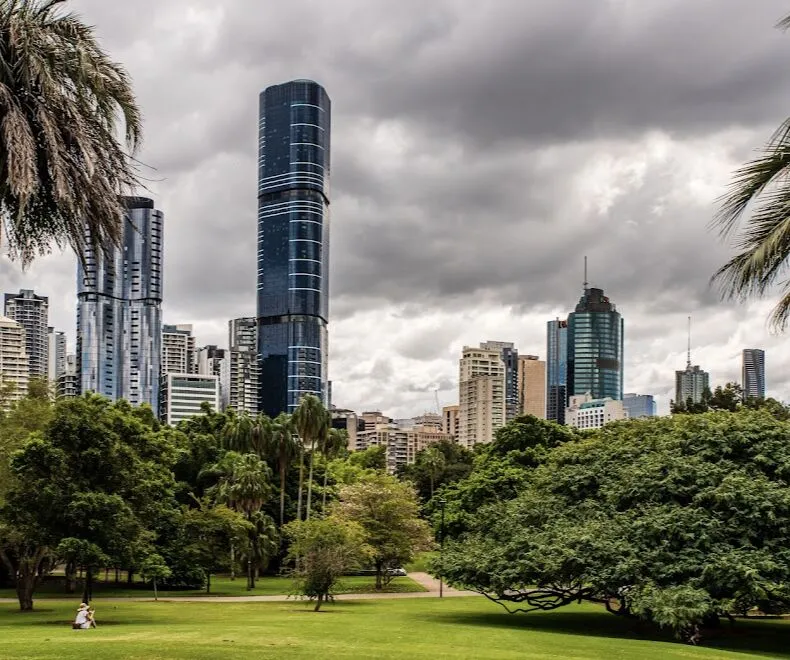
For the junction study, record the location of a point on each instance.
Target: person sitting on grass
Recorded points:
(85, 618)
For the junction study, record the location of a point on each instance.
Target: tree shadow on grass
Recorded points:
(768, 637)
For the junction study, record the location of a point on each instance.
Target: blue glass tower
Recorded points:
(119, 317)
(293, 243)
(556, 370)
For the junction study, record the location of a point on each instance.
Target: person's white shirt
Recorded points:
(82, 619)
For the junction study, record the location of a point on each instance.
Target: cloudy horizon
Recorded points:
(479, 153)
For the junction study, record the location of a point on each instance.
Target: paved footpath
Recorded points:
(423, 579)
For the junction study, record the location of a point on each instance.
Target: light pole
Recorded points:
(442, 502)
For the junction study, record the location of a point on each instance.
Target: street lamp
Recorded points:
(442, 503)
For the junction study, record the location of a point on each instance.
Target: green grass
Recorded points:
(53, 587)
(395, 628)
(420, 562)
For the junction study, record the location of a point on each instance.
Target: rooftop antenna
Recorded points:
(585, 274)
(688, 354)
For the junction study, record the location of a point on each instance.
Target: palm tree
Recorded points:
(310, 419)
(63, 167)
(764, 243)
(333, 442)
(238, 432)
(261, 434)
(283, 448)
(433, 461)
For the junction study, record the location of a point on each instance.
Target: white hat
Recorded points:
(83, 606)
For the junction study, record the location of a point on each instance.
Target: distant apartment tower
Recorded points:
(509, 355)
(691, 384)
(639, 405)
(401, 444)
(294, 124)
(586, 412)
(178, 349)
(531, 386)
(240, 370)
(481, 390)
(183, 396)
(119, 317)
(56, 354)
(14, 362)
(595, 347)
(556, 370)
(753, 373)
(348, 421)
(209, 360)
(451, 420)
(32, 313)
(68, 383)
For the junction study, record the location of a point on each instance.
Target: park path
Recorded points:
(423, 579)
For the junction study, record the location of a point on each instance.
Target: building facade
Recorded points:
(32, 313)
(293, 243)
(402, 444)
(509, 354)
(68, 383)
(753, 373)
(184, 394)
(243, 334)
(178, 350)
(450, 420)
(119, 317)
(239, 382)
(640, 405)
(14, 361)
(481, 392)
(691, 384)
(56, 354)
(556, 370)
(595, 347)
(209, 360)
(531, 386)
(586, 412)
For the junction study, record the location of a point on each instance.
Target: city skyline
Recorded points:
(418, 171)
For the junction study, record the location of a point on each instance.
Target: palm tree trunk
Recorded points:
(301, 481)
(283, 467)
(310, 481)
(323, 498)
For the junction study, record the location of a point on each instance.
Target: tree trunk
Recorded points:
(326, 474)
(130, 577)
(117, 575)
(301, 482)
(379, 571)
(283, 467)
(106, 575)
(71, 577)
(24, 591)
(318, 602)
(87, 590)
(156, 595)
(310, 481)
(431, 485)
(232, 562)
(208, 582)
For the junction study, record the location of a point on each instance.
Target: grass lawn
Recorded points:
(53, 587)
(395, 628)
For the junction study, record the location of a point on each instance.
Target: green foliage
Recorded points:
(444, 462)
(154, 568)
(372, 458)
(678, 520)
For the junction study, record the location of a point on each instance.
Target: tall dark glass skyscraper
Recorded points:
(556, 370)
(753, 373)
(595, 347)
(119, 317)
(293, 243)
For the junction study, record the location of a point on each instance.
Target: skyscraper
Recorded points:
(119, 318)
(293, 243)
(692, 383)
(556, 370)
(240, 370)
(639, 405)
(481, 395)
(531, 386)
(56, 358)
(178, 350)
(509, 355)
(31, 312)
(243, 334)
(595, 347)
(14, 362)
(753, 373)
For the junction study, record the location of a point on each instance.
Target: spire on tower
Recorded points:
(688, 354)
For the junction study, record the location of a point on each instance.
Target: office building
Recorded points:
(595, 347)
(639, 405)
(450, 420)
(67, 385)
(32, 313)
(293, 243)
(14, 361)
(531, 386)
(119, 318)
(691, 384)
(753, 373)
(509, 355)
(586, 412)
(183, 396)
(556, 370)
(481, 390)
(56, 354)
(178, 350)
(348, 421)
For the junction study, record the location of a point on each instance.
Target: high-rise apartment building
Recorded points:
(119, 318)
(178, 350)
(56, 354)
(509, 354)
(691, 384)
(595, 347)
(243, 334)
(68, 382)
(240, 384)
(450, 420)
(481, 390)
(293, 243)
(32, 313)
(183, 396)
(639, 405)
(14, 361)
(209, 360)
(586, 412)
(556, 370)
(753, 373)
(531, 386)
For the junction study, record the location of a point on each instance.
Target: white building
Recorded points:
(239, 381)
(178, 350)
(14, 361)
(31, 312)
(584, 412)
(183, 395)
(481, 389)
(56, 358)
(402, 444)
(67, 385)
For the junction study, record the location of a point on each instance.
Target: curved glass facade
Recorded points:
(595, 347)
(293, 243)
(119, 317)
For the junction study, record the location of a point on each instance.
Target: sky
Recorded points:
(480, 151)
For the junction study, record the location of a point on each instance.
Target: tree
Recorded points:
(238, 432)
(372, 458)
(433, 461)
(388, 512)
(427, 476)
(154, 568)
(677, 520)
(333, 442)
(60, 102)
(321, 550)
(311, 420)
(283, 449)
